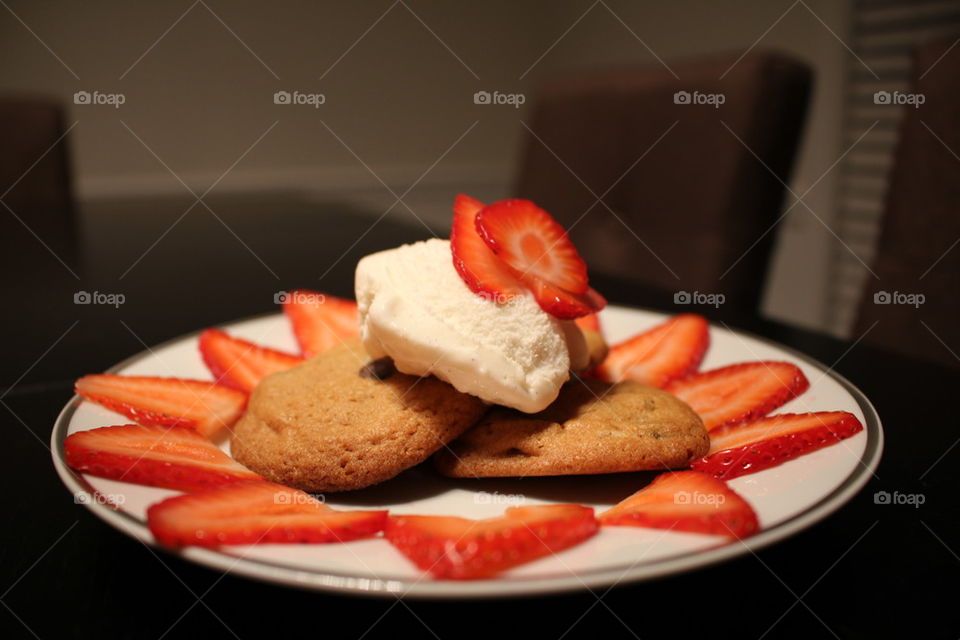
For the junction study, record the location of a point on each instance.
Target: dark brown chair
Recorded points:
(690, 189)
(918, 252)
(37, 208)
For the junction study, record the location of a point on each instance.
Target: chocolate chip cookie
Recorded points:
(592, 427)
(341, 422)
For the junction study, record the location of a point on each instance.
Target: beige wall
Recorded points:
(399, 99)
(199, 98)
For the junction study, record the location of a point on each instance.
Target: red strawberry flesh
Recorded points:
(656, 357)
(171, 457)
(256, 512)
(532, 243)
(319, 320)
(487, 275)
(479, 268)
(239, 363)
(686, 501)
(740, 392)
(459, 548)
(746, 448)
(561, 303)
(205, 406)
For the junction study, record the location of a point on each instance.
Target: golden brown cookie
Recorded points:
(631, 427)
(322, 426)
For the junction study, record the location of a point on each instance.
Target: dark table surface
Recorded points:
(870, 570)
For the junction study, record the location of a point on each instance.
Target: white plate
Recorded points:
(787, 498)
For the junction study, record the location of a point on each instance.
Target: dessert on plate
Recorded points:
(484, 352)
(450, 347)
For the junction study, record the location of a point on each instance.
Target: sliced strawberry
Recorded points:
(740, 392)
(256, 512)
(489, 276)
(171, 457)
(590, 322)
(686, 501)
(320, 321)
(480, 269)
(205, 406)
(532, 243)
(737, 450)
(561, 303)
(462, 549)
(656, 357)
(239, 363)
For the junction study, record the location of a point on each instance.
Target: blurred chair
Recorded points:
(918, 251)
(690, 167)
(35, 185)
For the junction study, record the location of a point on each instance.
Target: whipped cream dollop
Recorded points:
(415, 308)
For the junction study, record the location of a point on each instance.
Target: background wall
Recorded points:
(198, 80)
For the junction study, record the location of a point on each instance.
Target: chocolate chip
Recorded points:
(378, 369)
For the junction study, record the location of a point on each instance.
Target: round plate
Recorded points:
(787, 498)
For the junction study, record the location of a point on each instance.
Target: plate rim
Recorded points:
(329, 581)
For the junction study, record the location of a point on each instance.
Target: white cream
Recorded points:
(415, 308)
